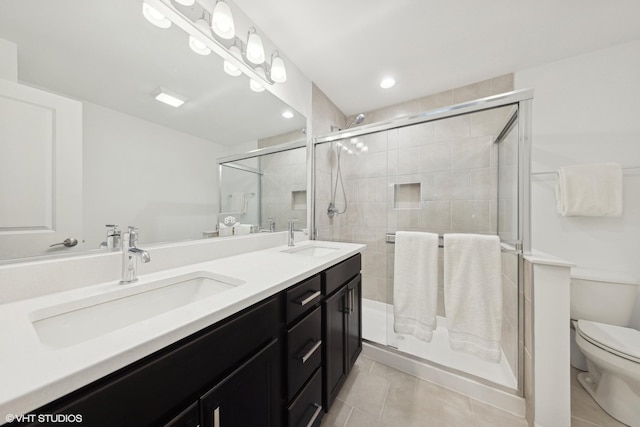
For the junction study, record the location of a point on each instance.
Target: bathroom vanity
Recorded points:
(277, 356)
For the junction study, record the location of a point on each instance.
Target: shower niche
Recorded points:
(450, 170)
(407, 196)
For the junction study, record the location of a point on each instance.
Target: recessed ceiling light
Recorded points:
(387, 82)
(168, 97)
(287, 114)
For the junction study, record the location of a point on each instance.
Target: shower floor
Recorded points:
(378, 327)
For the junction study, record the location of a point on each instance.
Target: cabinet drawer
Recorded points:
(304, 351)
(338, 275)
(303, 297)
(307, 410)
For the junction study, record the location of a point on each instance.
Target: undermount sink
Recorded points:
(74, 322)
(311, 250)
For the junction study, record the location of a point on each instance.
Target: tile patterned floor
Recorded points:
(376, 395)
(585, 412)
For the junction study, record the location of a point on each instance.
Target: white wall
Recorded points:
(587, 109)
(8, 60)
(144, 174)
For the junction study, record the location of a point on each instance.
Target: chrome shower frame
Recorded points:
(523, 99)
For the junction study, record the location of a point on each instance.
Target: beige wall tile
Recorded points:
(451, 186)
(473, 91)
(435, 157)
(438, 100)
(436, 216)
(470, 153)
(416, 135)
(483, 184)
(502, 84)
(470, 216)
(452, 128)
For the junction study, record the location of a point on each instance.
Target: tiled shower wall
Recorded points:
(284, 188)
(449, 169)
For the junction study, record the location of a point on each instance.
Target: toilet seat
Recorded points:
(618, 340)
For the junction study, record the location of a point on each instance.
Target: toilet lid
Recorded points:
(624, 342)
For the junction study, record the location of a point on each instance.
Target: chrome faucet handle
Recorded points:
(133, 236)
(113, 237)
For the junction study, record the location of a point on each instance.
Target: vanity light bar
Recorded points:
(261, 73)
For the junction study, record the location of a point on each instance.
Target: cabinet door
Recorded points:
(190, 417)
(354, 320)
(335, 328)
(249, 396)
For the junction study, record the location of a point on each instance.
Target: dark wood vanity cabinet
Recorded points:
(304, 354)
(248, 396)
(158, 389)
(277, 363)
(342, 329)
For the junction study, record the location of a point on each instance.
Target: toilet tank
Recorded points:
(603, 296)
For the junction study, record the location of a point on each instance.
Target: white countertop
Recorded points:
(33, 374)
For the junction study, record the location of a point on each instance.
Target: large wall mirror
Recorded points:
(140, 162)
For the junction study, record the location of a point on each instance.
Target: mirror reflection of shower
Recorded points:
(339, 148)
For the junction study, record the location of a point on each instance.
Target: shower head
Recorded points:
(359, 118)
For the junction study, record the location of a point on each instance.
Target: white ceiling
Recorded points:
(345, 47)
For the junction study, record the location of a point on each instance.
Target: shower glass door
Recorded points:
(457, 174)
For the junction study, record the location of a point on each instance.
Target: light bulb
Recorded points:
(278, 71)
(228, 66)
(255, 86)
(255, 49)
(231, 69)
(154, 16)
(197, 45)
(222, 21)
(287, 114)
(387, 82)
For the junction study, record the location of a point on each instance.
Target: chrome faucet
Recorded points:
(114, 240)
(271, 226)
(130, 255)
(290, 235)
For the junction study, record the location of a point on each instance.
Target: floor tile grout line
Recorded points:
(586, 421)
(348, 416)
(384, 402)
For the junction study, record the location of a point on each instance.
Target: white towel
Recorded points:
(415, 287)
(589, 190)
(473, 294)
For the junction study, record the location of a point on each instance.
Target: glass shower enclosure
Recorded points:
(460, 169)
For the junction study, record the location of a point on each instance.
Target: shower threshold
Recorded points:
(377, 327)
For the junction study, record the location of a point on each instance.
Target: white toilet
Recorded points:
(601, 307)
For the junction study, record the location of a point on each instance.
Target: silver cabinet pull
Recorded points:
(351, 300)
(309, 353)
(310, 298)
(216, 417)
(69, 243)
(315, 414)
